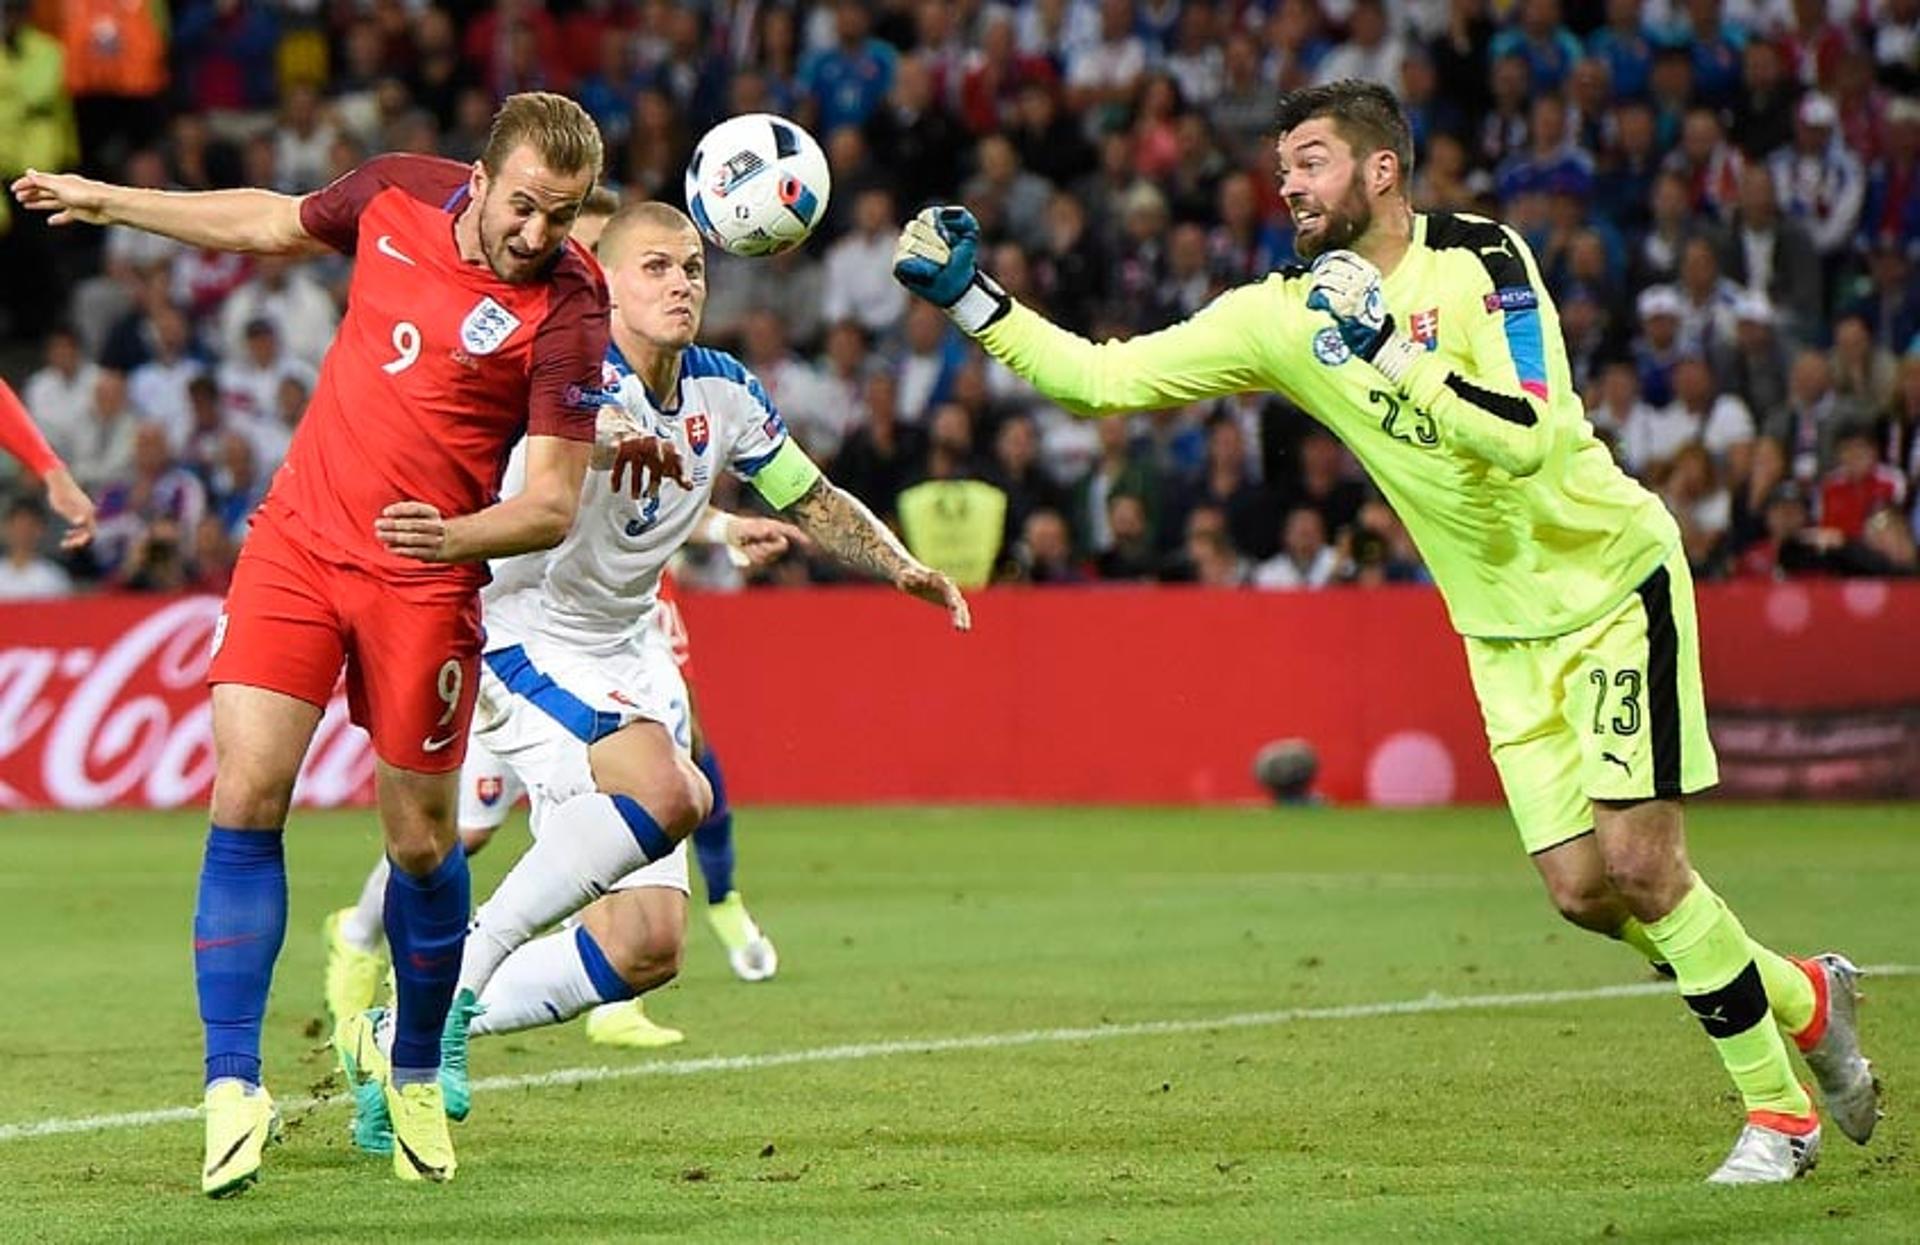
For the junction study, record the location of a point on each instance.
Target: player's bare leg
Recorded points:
(622, 946)
(645, 934)
(1644, 846)
(240, 916)
(1575, 875)
(647, 797)
(642, 761)
(260, 737)
(1813, 999)
(428, 897)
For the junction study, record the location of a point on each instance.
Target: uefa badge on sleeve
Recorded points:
(1330, 348)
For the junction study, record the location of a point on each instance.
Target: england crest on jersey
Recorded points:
(487, 327)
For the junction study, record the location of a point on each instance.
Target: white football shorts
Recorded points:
(541, 706)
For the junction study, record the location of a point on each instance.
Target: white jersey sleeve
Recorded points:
(598, 589)
(756, 431)
(522, 570)
(756, 447)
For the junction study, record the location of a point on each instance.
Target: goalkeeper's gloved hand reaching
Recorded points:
(934, 259)
(1346, 286)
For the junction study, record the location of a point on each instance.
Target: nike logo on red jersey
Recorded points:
(384, 244)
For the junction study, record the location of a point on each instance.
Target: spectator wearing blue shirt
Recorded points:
(1244, 246)
(1548, 47)
(227, 52)
(1656, 351)
(1891, 304)
(1428, 106)
(1549, 163)
(1672, 93)
(1624, 189)
(1892, 208)
(607, 93)
(236, 484)
(1590, 101)
(849, 80)
(1623, 44)
(1716, 52)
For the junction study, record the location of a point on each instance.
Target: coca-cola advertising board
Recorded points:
(103, 701)
(1116, 695)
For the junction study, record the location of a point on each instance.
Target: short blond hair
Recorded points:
(648, 212)
(559, 130)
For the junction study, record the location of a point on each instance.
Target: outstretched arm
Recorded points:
(261, 221)
(1203, 357)
(19, 437)
(842, 526)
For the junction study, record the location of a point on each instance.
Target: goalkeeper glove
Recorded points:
(935, 260)
(1347, 287)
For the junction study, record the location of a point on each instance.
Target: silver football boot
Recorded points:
(1763, 1155)
(1850, 1091)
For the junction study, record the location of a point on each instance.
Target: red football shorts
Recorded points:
(411, 650)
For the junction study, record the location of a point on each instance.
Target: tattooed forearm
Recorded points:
(843, 527)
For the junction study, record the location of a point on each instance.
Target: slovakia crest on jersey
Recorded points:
(487, 327)
(698, 433)
(489, 789)
(1425, 327)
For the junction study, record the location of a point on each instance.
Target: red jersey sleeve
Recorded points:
(568, 353)
(21, 439)
(332, 213)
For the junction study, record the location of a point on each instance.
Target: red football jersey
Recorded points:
(673, 624)
(20, 438)
(438, 367)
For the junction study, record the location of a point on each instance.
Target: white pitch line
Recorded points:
(1432, 1003)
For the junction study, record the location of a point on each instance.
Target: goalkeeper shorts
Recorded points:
(1613, 711)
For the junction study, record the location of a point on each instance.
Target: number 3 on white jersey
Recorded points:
(406, 341)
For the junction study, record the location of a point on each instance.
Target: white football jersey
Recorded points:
(597, 588)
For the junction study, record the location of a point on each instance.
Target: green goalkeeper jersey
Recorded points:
(1529, 527)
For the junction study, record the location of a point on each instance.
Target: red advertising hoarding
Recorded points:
(1105, 695)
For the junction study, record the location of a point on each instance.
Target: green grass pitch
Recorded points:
(1162, 1029)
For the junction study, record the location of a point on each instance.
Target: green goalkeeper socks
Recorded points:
(1721, 982)
(1789, 992)
(1634, 935)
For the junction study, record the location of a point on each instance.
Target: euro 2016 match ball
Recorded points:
(757, 185)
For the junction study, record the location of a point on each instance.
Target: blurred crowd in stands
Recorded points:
(1721, 194)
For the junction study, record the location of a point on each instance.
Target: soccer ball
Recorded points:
(757, 185)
